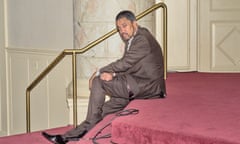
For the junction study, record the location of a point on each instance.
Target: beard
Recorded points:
(125, 37)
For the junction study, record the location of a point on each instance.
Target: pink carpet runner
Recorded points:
(201, 108)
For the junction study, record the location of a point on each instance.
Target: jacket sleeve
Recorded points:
(139, 48)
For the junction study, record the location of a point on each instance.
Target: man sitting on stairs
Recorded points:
(139, 74)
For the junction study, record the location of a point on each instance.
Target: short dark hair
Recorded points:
(126, 14)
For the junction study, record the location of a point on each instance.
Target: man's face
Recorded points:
(126, 28)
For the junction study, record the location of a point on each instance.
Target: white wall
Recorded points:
(36, 32)
(40, 24)
(219, 36)
(182, 34)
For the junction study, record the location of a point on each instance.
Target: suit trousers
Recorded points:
(116, 89)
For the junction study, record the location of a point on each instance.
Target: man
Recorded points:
(137, 75)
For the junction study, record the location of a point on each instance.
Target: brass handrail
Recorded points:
(73, 52)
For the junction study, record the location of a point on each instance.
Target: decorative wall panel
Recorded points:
(219, 35)
(48, 98)
(226, 44)
(225, 5)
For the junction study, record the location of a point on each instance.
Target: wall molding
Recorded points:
(3, 87)
(218, 34)
(23, 66)
(39, 51)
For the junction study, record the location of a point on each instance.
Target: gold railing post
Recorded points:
(28, 111)
(74, 77)
(165, 40)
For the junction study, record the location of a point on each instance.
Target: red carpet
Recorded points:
(201, 108)
(31, 138)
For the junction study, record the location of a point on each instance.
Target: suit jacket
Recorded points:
(142, 65)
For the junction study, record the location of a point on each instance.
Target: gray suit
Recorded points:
(139, 75)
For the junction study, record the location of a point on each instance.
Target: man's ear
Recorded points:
(135, 24)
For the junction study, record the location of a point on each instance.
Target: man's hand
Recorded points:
(106, 76)
(103, 76)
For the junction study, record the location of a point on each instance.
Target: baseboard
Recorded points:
(3, 133)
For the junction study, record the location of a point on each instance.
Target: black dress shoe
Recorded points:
(56, 139)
